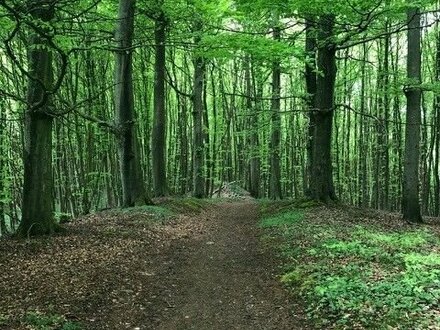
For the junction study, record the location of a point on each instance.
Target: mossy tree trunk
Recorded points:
(38, 185)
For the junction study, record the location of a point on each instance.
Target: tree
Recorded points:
(198, 109)
(310, 77)
(254, 143)
(275, 142)
(413, 92)
(133, 189)
(38, 194)
(159, 122)
(321, 182)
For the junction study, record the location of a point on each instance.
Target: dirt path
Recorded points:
(223, 279)
(119, 271)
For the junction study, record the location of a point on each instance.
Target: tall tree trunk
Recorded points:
(275, 141)
(437, 131)
(410, 198)
(321, 184)
(310, 75)
(198, 147)
(133, 189)
(363, 147)
(3, 172)
(254, 162)
(386, 125)
(159, 122)
(38, 189)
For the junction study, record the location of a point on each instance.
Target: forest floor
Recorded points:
(225, 264)
(203, 267)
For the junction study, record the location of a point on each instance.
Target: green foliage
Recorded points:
(282, 219)
(3, 319)
(361, 276)
(270, 207)
(61, 217)
(259, 47)
(40, 321)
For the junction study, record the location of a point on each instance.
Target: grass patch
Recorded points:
(282, 219)
(40, 321)
(354, 276)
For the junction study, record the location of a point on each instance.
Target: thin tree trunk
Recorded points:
(310, 75)
(437, 132)
(198, 147)
(275, 141)
(254, 163)
(159, 122)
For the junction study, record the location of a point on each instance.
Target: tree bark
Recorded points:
(436, 196)
(198, 108)
(321, 184)
(311, 77)
(160, 117)
(254, 162)
(38, 186)
(275, 141)
(411, 198)
(133, 189)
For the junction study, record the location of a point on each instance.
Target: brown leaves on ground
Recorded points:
(120, 270)
(105, 272)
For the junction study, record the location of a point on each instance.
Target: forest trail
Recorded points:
(122, 270)
(225, 279)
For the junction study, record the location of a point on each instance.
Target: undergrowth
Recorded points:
(40, 321)
(359, 276)
(188, 205)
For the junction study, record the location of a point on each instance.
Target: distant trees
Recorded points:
(194, 94)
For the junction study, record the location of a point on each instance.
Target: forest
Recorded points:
(305, 109)
(106, 106)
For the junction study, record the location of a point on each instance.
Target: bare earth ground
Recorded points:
(206, 271)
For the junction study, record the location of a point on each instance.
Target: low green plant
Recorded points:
(4, 319)
(40, 321)
(282, 219)
(355, 276)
